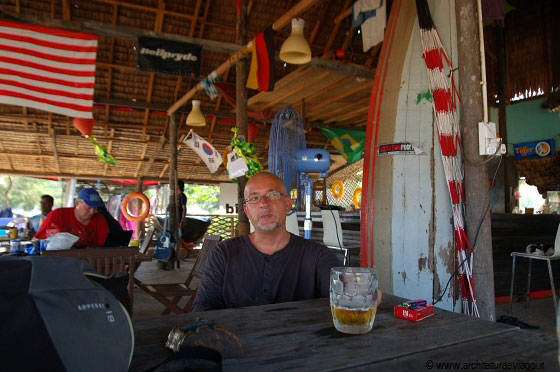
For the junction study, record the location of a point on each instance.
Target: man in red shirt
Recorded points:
(82, 221)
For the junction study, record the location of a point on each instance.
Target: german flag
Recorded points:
(261, 73)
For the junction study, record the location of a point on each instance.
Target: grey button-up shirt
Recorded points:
(237, 274)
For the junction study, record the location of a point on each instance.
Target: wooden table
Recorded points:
(300, 336)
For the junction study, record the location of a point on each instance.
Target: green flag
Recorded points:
(349, 142)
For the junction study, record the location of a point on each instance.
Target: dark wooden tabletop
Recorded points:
(300, 336)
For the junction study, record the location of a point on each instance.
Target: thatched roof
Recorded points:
(524, 50)
(130, 105)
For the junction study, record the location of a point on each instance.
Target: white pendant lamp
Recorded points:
(295, 49)
(195, 117)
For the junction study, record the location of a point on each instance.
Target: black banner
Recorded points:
(171, 57)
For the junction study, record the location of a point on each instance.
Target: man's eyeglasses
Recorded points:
(269, 196)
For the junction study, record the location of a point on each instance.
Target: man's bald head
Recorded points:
(263, 177)
(269, 203)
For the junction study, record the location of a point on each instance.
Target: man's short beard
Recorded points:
(270, 227)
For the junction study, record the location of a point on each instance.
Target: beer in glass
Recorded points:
(353, 295)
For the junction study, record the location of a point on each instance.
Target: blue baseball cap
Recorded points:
(91, 197)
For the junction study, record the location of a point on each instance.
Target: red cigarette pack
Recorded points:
(414, 314)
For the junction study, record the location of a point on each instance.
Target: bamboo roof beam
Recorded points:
(158, 149)
(343, 15)
(109, 147)
(75, 155)
(141, 159)
(55, 152)
(6, 154)
(332, 35)
(204, 16)
(300, 84)
(111, 58)
(194, 17)
(351, 114)
(165, 168)
(65, 10)
(241, 53)
(87, 176)
(329, 88)
(38, 142)
(343, 108)
(37, 133)
(67, 157)
(372, 54)
(315, 30)
(157, 28)
(342, 94)
(157, 106)
(132, 34)
(147, 8)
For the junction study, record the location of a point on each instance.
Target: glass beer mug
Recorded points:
(353, 297)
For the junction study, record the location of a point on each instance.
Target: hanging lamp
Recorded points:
(295, 49)
(195, 117)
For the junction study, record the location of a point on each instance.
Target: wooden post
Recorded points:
(241, 73)
(510, 176)
(173, 183)
(476, 177)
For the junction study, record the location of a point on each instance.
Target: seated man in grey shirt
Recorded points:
(269, 265)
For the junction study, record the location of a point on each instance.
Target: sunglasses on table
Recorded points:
(269, 196)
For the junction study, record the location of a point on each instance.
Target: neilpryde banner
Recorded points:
(172, 57)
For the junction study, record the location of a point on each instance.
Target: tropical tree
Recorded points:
(203, 196)
(25, 192)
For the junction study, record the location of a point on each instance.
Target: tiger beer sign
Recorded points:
(533, 149)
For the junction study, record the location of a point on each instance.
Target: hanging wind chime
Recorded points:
(444, 103)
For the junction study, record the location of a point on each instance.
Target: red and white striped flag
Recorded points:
(47, 69)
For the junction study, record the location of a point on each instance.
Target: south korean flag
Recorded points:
(204, 150)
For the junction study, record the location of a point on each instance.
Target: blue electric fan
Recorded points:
(290, 160)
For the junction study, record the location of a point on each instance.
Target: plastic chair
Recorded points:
(332, 233)
(531, 257)
(169, 295)
(292, 224)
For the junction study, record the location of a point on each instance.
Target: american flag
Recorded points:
(47, 69)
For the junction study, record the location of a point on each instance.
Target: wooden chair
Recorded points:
(169, 295)
(106, 261)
